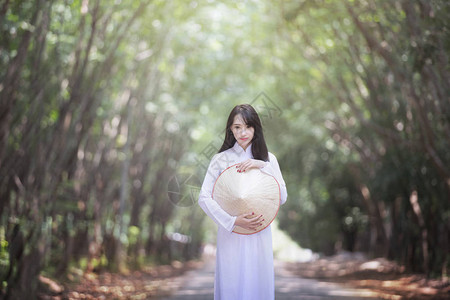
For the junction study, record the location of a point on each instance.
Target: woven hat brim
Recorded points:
(246, 192)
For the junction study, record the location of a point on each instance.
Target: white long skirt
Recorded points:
(244, 266)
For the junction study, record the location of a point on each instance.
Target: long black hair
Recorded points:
(251, 118)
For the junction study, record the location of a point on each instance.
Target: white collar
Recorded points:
(238, 149)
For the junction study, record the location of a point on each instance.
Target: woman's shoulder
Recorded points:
(222, 154)
(222, 160)
(272, 157)
(227, 154)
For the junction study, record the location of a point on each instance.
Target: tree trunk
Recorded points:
(378, 238)
(11, 82)
(414, 200)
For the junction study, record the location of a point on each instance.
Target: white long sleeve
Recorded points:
(272, 168)
(207, 203)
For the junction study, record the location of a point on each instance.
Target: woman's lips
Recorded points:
(244, 139)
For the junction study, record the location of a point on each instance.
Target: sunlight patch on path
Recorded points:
(285, 249)
(196, 284)
(288, 286)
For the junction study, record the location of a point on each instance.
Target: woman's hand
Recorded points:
(249, 221)
(250, 163)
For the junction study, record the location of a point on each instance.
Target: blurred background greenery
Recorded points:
(111, 110)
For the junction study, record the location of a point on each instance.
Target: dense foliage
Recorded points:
(110, 111)
(378, 179)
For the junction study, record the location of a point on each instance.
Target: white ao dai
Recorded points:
(244, 263)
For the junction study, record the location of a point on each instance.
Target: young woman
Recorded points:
(244, 263)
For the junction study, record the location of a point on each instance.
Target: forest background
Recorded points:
(111, 110)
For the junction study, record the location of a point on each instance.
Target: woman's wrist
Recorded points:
(262, 164)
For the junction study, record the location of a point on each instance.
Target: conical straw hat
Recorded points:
(247, 192)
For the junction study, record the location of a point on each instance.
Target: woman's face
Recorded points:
(242, 132)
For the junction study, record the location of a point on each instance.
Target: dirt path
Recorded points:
(343, 277)
(199, 285)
